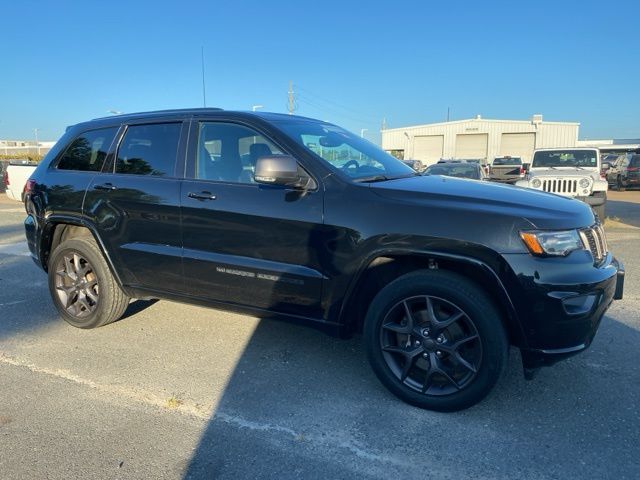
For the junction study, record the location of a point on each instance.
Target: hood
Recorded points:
(563, 172)
(539, 209)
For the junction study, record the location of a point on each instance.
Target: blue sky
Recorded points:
(352, 63)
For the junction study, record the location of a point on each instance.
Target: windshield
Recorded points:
(507, 161)
(347, 153)
(462, 170)
(565, 158)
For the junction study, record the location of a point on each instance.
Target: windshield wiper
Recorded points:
(371, 179)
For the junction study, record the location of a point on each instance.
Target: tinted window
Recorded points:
(507, 161)
(565, 158)
(88, 151)
(228, 152)
(344, 151)
(635, 161)
(462, 170)
(149, 149)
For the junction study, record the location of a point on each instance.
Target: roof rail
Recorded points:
(162, 112)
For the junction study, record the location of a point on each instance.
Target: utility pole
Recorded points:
(37, 143)
(204, 93)
(291, 104)
(384, 124)
(448, 109)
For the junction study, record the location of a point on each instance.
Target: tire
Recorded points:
(447, 292)
(599, 210)
(620, 184)
(78, 270)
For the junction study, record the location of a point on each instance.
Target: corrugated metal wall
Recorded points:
(547, 135)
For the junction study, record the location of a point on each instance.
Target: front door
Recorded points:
(136, 206)
(246, 243)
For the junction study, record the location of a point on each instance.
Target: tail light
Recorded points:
(5, 178)
(29, 186)
(633, 169)
(522, 171)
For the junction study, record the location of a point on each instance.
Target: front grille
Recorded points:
(560, 185)
(595, 241)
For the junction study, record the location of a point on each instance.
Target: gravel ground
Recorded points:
(178, 391)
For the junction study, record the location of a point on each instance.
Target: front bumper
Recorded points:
(594, 200)
(561, 302)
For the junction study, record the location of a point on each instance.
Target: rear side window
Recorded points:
(149, 150)
(635, 161)
(88, 151)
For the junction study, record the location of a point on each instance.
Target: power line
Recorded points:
(324, 109)
(338, 105)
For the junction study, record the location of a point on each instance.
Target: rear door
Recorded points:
(135, 205)
(246, 243)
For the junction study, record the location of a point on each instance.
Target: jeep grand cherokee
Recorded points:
(278, 215)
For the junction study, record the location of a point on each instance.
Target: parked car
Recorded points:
(506, 169)
(570, 172)
(625, 172)
(457, 169)
(417, 165)
(15, 178)
(440, 275)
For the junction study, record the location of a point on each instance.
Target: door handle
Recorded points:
(105, 186)
(202, 196)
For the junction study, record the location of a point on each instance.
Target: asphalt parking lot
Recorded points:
(178, 391)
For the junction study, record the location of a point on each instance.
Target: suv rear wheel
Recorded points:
(435, 340)
(82, 287)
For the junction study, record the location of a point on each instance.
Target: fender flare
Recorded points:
(52, 220)
(512, 322)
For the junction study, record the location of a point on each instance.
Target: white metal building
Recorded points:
(478, 138)
(24, 147)
(612, 145)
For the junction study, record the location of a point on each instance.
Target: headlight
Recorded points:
(559, 243)
(536, 183)
(584, 182)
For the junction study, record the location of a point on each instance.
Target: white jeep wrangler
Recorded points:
(571, 172)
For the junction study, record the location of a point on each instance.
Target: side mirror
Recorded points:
(279, 170)
(606, 166)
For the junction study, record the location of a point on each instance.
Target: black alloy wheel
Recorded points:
(82, 287)
(76, 285)
(431, 345)
(436, 340)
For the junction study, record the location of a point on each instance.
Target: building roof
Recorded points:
(488, 120)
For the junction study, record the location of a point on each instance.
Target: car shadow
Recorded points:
(25, 304)
(305, 405)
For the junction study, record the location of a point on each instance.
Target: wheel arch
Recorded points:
(58, 228)
(384, 267)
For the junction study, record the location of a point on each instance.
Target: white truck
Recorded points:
(570, 172)
(15, 177)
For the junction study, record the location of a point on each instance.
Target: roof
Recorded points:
(187, 112)
(203, 111)
(468, 120)
(160, 113)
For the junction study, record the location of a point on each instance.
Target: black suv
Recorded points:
(284, 216)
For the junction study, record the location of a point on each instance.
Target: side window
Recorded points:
(149, 149)
(88, 151)
(228, 152)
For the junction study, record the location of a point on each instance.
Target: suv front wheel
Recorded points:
(82, 287)
(435, 340)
